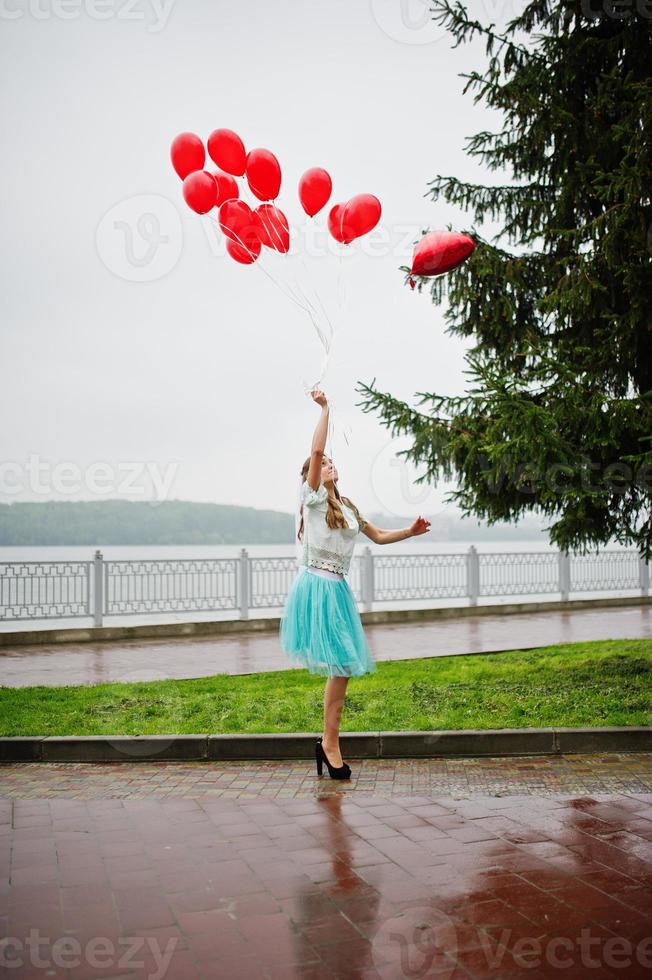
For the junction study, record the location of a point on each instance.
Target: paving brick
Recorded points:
(289, 875)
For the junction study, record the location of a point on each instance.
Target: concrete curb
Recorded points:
(301, 745)
(226, 627)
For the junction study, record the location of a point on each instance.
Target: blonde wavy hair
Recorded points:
(334, 515)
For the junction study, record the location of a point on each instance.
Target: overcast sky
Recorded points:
(132, 348)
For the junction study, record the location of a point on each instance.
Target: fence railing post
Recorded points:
(564, 575)
(243, 584)
(98, 588)
(473, 575)
(367, 579)
(644, 576)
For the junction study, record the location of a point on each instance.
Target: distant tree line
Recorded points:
(121, 522)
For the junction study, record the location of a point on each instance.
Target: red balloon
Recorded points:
(244, 255)
(227, 187)
(439, 252)
(226, 149)
(187, 153)
(314, 190)
(340, 232)
(200, 191)
(274, 228)
(263, 174)
(361, 214)
(241, 225)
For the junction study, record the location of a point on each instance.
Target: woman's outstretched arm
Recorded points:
(380, 536)
(318, 440)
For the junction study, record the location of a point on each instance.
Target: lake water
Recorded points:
(412, 545)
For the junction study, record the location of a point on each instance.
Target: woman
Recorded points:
(321, 627)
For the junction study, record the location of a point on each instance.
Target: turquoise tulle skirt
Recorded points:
(321, 628)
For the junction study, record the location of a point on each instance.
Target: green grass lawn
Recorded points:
(607, 682)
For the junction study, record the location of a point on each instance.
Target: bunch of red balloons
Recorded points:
(248, 229)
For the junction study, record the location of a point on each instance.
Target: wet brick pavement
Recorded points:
(200, 656)
(610, 773)
(501, 868)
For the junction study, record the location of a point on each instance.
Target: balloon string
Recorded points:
(314, 315)
(318, 298)
(276, 283)
(306, 305)
(289, 295)
(326, 343)
(298, 291)
(272, 231)
(339, 280)
(317, 305)
(333, 331)
(308, 308)
(261, 266)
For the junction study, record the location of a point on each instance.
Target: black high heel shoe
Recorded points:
(335, 772)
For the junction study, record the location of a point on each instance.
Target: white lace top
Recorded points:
(323, 546)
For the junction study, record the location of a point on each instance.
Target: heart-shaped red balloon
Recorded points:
(440, 251)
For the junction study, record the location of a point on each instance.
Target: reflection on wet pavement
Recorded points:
(340, 884)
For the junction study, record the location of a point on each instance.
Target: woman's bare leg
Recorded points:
(334, 695)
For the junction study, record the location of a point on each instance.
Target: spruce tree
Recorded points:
(557, 418)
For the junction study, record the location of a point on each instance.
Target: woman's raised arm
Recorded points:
(313, 476)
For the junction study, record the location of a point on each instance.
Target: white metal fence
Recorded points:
(102, 588)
